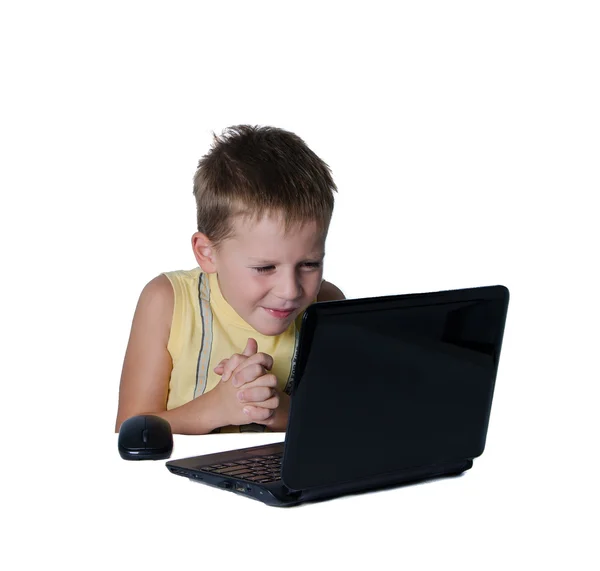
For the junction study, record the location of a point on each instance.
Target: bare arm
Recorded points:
(147, 371)
(147, 367)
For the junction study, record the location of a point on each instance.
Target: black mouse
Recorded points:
(145, 437)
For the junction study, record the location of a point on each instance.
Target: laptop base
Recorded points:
(277, 494)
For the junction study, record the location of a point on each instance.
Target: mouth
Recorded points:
(280, 314)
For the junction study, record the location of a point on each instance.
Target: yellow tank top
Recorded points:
(205, 329)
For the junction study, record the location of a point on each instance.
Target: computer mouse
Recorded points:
(145, 437)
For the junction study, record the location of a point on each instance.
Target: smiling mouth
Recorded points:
(279, 312)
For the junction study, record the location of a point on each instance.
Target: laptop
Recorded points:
(386, 391)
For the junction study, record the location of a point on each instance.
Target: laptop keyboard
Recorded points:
(259, 469)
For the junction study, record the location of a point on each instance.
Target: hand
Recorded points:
(258, 396)
(229, 368)
(256, 402)
(277, 422)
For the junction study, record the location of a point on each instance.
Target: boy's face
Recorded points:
(267, 276)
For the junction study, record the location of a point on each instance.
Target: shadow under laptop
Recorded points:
(373, 490)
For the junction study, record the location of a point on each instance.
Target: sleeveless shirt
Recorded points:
(205, 329)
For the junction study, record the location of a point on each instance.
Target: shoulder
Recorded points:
(158, 290)
(157, 300)
(183, 277)
(329, 292)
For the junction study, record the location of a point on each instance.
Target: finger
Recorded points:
(271, 403)
(247, 373)
(266, 380)
(257, 394)
(221, 366)
(250, 350)
(258, 414)
(232, 364)
(251, 347)
(262, 359)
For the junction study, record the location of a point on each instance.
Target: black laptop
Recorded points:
(387, 390)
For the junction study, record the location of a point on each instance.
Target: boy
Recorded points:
(264, 202)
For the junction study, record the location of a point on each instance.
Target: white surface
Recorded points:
(463, 137)
(117, 513)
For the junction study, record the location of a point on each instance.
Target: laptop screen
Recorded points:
(390, 383)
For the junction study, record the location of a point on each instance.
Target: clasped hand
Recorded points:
(247, 391)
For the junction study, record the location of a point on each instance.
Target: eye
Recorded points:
(264, 269)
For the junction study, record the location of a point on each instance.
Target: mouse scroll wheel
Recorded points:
(145, 435)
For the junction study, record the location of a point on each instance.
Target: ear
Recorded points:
(204, 252)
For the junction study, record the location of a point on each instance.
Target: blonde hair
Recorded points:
(251, 171)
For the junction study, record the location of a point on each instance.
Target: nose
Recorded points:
(288, 286)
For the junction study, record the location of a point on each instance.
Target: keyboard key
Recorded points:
(260, 469)
(228, 470)
(244, 475)
(236, 473)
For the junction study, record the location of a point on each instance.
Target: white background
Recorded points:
(464, 139)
